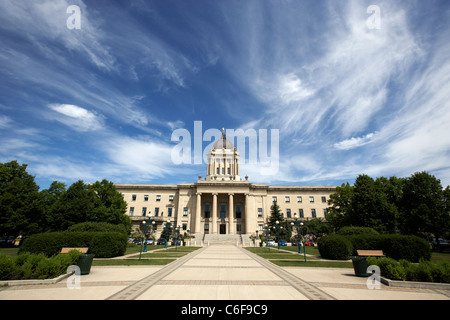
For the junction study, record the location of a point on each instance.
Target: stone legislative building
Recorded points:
(223, 203)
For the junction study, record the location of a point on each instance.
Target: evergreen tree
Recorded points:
(276, 215)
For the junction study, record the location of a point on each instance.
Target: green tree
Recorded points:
(339, 202)
(424, 206)
(277, 215)
(110, 206)
(20, 201)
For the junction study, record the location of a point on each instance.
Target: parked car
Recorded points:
(161, 241)
(137, 241)
(271, 242)
(282, 242)
(176, 242)
(309, 244)
(443, 245)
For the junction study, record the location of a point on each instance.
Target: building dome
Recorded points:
(223, 143)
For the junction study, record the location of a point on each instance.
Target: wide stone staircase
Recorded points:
(231, 239)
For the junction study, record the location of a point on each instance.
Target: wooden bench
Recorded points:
(370, 253)
(82, 250)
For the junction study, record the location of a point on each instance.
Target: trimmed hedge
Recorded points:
(98, 227)
(36, 266)
(335, 247)
(424, 271)
(350, 231)
(102, 244)
(394, 246)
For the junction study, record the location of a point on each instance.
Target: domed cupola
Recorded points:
(223, 161)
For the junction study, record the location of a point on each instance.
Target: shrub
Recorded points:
(398, 247)
(102, 244)
(335, 247)
(7, 267)
(411, 248)
(350, 231)
(424, 271)
(98, 227)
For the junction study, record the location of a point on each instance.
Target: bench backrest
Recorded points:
(370, 253)
(82, 250)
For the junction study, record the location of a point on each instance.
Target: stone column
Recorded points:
(214, 214)
(198, 213)
(249, 217)
(231, 227)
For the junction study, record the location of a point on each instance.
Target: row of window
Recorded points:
(287, 199)
(223, 210)
(157, 213)
(158, 197)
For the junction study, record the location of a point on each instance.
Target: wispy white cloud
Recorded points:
(354, 142)
(76, 117)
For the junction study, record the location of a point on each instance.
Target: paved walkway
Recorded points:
(218, 273)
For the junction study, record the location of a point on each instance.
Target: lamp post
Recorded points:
(146, 226)
(189, 236)
(304, 243)
(256, 237)
(167, 232)
(277, 224)
(176, 240)
(266, 228)
(297, 222)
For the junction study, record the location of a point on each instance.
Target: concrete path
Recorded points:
(218, 273)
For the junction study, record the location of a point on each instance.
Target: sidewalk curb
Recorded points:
(415, 284)
(13, 283)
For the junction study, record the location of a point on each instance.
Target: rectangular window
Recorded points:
(156, 212)
(217, 171)
(207, 211)
(144, 211)
(146, 197)
(238, 211)
(133, 197)
(171, 197)
(158, 198)
(223, 211)
(324, 199)
(169, 212)
(185, 212)
(238, 228)
(299, 199)
(300, 213)
(274, 199)
(223, 170)
(313, 212)
(325, 212)
(287, 199)
(184, 226)
(228, 171)
(131, 211)
(260, 213)
(311, 199)
(288, 213)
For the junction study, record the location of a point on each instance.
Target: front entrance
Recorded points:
(223, 229)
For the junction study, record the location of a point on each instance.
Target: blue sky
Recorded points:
(102, 101)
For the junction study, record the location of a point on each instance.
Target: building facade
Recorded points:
(222, 203)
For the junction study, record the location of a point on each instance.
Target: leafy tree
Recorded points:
(424, 206)
(110, 206)
(340, 203)
(20, 201)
